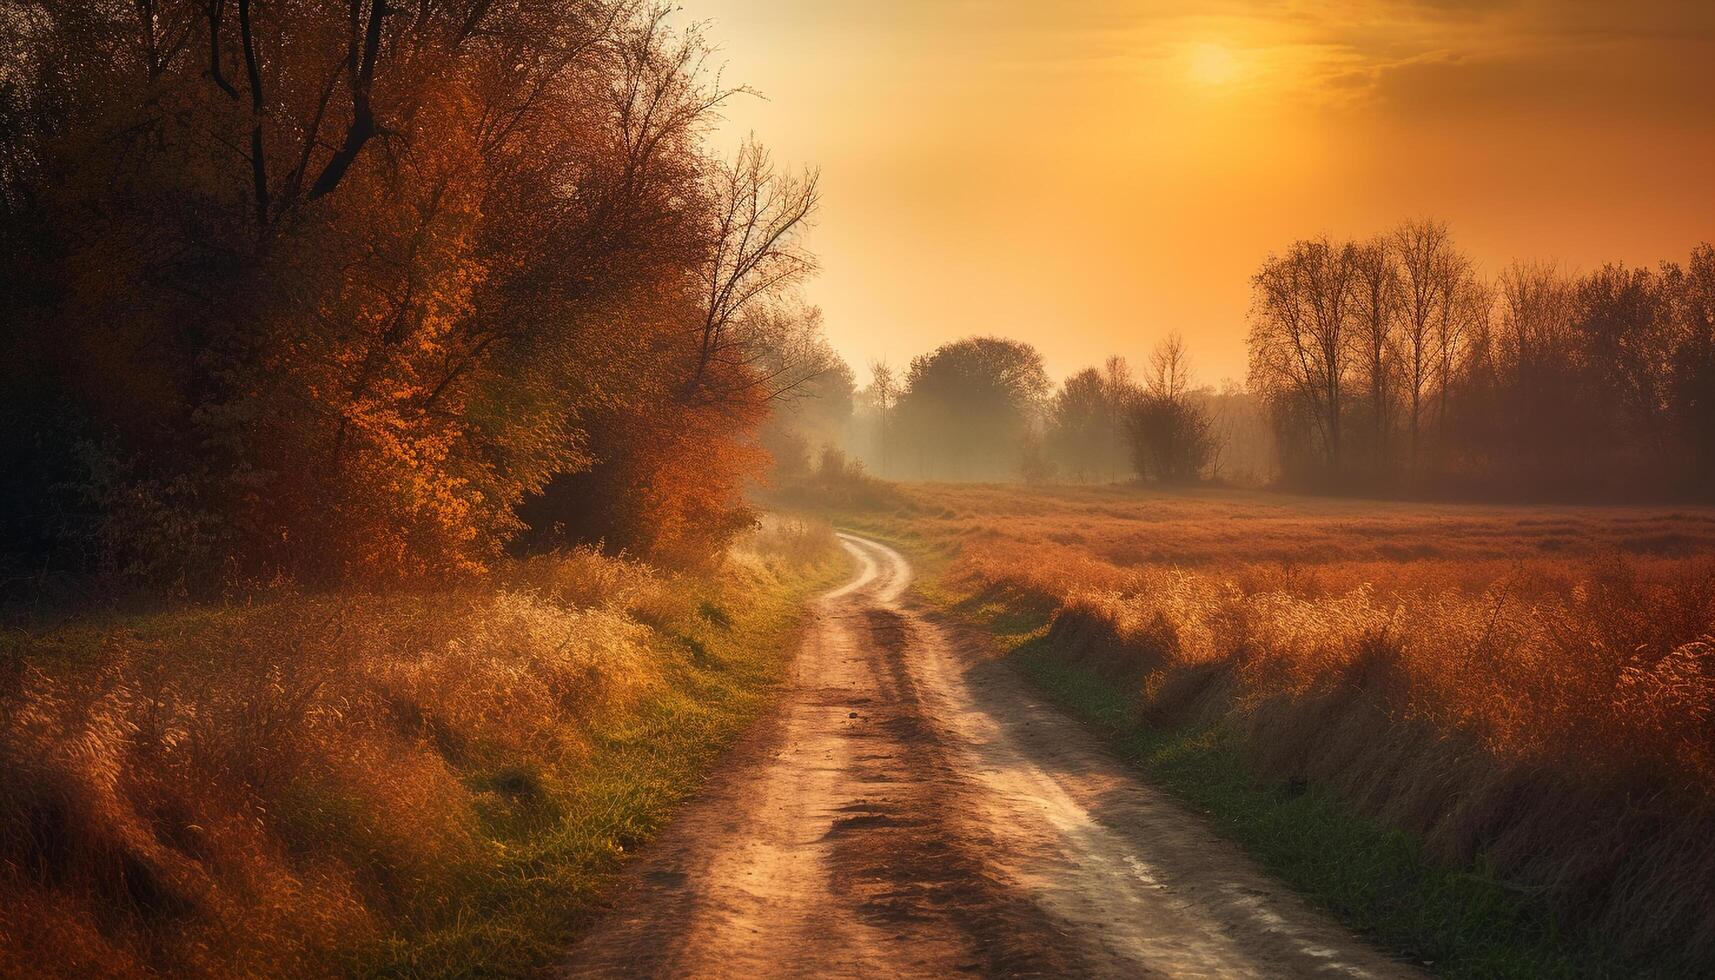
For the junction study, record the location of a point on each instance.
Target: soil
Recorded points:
(913, 808)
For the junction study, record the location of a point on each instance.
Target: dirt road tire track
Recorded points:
(912, 809)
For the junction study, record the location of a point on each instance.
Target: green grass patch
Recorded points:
(557, 838)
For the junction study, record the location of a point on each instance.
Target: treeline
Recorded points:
(985, 409)
(1388, 366)
(1392, 364)
(325, 291)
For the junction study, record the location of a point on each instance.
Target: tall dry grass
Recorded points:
(1531, 691)
(261, 789)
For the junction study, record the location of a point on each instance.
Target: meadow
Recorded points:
(428, 782)
(1526, 694)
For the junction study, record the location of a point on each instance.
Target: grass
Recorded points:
(1376, 879)
(1479, 734)
(415, 784)
(525, 906)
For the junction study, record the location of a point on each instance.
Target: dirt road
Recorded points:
(913, 809)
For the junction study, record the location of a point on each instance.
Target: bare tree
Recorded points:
(886, 388)
(1465, 304)
(754, 253)
(1301, 309)
(1119, 391)
(1426, 264)
(1169, 376)
(1170, 433)
(1374, 336)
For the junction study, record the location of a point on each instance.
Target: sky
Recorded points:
(1089, 176)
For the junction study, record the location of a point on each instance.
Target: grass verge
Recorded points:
(557, 838)
(396, 784)
(1377, 880)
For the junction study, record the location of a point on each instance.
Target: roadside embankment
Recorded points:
(1500, 767)
(372, 783)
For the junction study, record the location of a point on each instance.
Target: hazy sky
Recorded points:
(1090, 175)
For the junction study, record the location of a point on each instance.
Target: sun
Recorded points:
(1211, 64)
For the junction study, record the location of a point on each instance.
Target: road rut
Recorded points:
(913, 809)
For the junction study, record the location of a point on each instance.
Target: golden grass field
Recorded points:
(429, 783)
(1530, 690)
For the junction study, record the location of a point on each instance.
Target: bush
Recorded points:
(262, 789)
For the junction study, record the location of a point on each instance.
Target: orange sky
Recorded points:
(1090, 175)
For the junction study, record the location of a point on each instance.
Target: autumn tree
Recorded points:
(328, 290)
(670, 464)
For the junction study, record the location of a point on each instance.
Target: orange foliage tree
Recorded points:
(325, 290)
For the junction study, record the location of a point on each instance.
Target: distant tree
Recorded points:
(1626, 336)
(1081, 425)
(1169, 429)
(1245, 450)
(1691, 297)
(884, 388)
(1301, 315)
(1466, 305)
(966, 409)
(1035, 465)
(1539, 383)
(1544, 417)
(1120, 392)
(1428, 269)
(1375, 336)
(814, 392)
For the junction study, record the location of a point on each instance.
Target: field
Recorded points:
(1524, 692)
(421, 783)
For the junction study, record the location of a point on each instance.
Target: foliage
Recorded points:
(1170, 439)
(1170, 430)
(1086, 422)
(324, 291)
(965, 408)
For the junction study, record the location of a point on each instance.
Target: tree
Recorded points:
(1170, 432)
(1301, 312)
(814, 396)
(885, 389)
(1120, 393)
(1538, 384)
(324, 291)
(1375, 337)
(1691, 292)
(1081, 425)
(1465, 305)
(966, 408)
(1429, 272)
(1627, 337)
(754, 253)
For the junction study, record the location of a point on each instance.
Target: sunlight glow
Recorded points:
(1212, 64)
